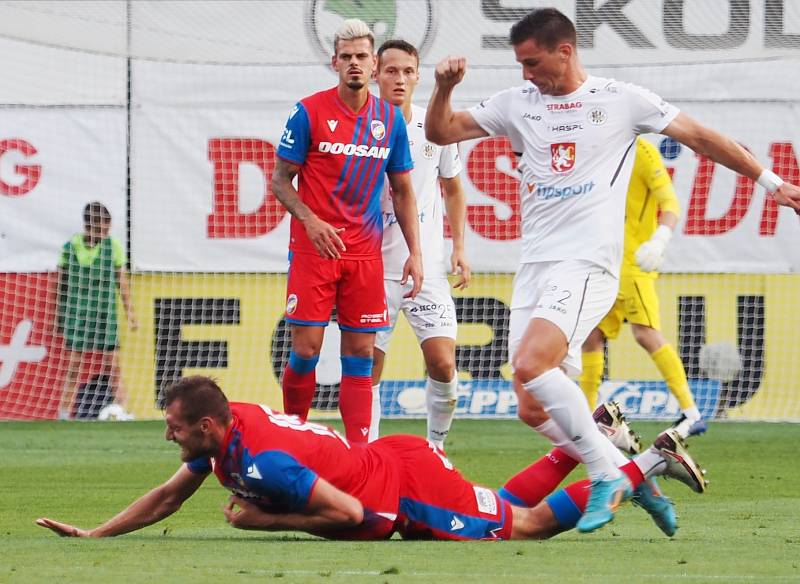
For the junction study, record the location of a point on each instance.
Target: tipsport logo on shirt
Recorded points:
(547, 192)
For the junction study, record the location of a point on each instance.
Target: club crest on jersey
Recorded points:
(378, 129)
(291, 304)
(597, 116)
(562, 156)
(429, 150)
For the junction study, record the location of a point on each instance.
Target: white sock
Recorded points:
(440, 397)
(566, 404)
(692, 413)
(650, 462)
(374, 427)
(558, 438)
(552, 432)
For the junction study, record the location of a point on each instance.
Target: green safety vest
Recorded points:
(87, 307)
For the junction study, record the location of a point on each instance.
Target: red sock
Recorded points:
(535, 482)
(579, 493)
(299, 388)
(355, 405)
(633, 473)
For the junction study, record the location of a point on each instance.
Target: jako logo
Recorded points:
(545, 192)
(354, 150)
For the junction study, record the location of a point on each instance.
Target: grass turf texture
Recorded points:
(745, 528)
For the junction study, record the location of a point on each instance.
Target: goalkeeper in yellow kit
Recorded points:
(651, 214)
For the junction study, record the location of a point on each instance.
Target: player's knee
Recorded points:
(648, 338)
(529, 367)
(441, 368)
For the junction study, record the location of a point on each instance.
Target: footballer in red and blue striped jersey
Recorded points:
(343, 158)
(404, 483)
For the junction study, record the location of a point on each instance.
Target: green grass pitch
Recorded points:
(744, 529)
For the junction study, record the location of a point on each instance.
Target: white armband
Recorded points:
(770, 181)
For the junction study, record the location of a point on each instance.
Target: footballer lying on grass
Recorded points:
(289, 475)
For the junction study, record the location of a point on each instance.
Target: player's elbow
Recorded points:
(351, 514)
(438, 136)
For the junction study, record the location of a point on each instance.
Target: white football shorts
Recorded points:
(574, 295)
(431, 314)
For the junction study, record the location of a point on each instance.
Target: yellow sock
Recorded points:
(669, 364)
(591, 375)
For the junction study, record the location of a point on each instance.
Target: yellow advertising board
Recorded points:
(229, 325)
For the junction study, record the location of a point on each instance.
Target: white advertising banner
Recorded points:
(52, 163)
(201, 199)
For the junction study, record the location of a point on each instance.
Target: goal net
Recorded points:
(167, 114)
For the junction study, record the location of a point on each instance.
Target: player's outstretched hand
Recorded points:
(247, 516)
(788, 195)
(460, 267)
(325, 237)
(62, 529)
(413, 269)
(450, 71)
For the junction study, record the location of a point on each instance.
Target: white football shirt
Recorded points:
(430, 162)
(577, 154)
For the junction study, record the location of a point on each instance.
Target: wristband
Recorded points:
(769, 180)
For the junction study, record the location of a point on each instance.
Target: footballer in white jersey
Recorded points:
(575, 134)
(577, 155)
(431, 313)
(431, 161)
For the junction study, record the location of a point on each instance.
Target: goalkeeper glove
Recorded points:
(651, 253)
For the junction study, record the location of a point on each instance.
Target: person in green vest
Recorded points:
(90, 269)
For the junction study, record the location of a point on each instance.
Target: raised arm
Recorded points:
(455, 204)
(405, 209)
(727, 152)
(328, 509)
(442, 124)
(151, 508)
(323, 235)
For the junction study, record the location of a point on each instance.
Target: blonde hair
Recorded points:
(352, 29)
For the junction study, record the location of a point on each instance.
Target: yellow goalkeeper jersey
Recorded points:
(649, 192)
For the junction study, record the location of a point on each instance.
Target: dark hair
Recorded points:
(400, 45)
(199, 396)
(95, 212)
(547, 26)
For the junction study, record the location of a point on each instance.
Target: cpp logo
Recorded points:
(382, 16)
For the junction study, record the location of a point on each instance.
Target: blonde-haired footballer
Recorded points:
(651, 214)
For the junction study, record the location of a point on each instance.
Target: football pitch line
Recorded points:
(491, 576)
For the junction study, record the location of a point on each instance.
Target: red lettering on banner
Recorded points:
(697, 222)
(226, 220)
(491, 181)
(784, 164)
(31, 172)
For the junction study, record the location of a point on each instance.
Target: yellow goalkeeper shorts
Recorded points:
(636, 303)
